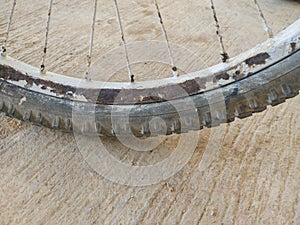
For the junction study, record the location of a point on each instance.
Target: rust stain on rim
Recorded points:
(130, 96)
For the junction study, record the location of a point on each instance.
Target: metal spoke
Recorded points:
(224, 55)
(46, 37)
(89, 56)
(163, 29)
(267, 29)
(130, 75)
(4, 46)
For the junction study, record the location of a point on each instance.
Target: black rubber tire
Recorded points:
(270, 86)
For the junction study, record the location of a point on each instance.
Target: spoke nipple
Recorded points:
(225, 57)
(42, 68)
(175, 71)
(3, 52)
(132, 78)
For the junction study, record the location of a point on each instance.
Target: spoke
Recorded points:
(130, 75)
(46, 36)
(4, 46)
(163, 29)
(267, 29)
(89, 56)
(224, 55)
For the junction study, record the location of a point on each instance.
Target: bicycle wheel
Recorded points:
(264, 75)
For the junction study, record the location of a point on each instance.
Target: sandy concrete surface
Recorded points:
(246, 172)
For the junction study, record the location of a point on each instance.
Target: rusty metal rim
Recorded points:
(239, 67)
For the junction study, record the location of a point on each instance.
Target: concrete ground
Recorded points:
(245, 172)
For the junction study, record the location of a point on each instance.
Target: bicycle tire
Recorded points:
(265, 75)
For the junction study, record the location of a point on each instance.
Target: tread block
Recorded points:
(207, 119)
(242, 111)
(26, 116)
(98, 128)
(55, 123)
(221, 115)
(176, 127)
(272, 96)
(68, 125)
(38, 118)
(10, 109)
(286, 90)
